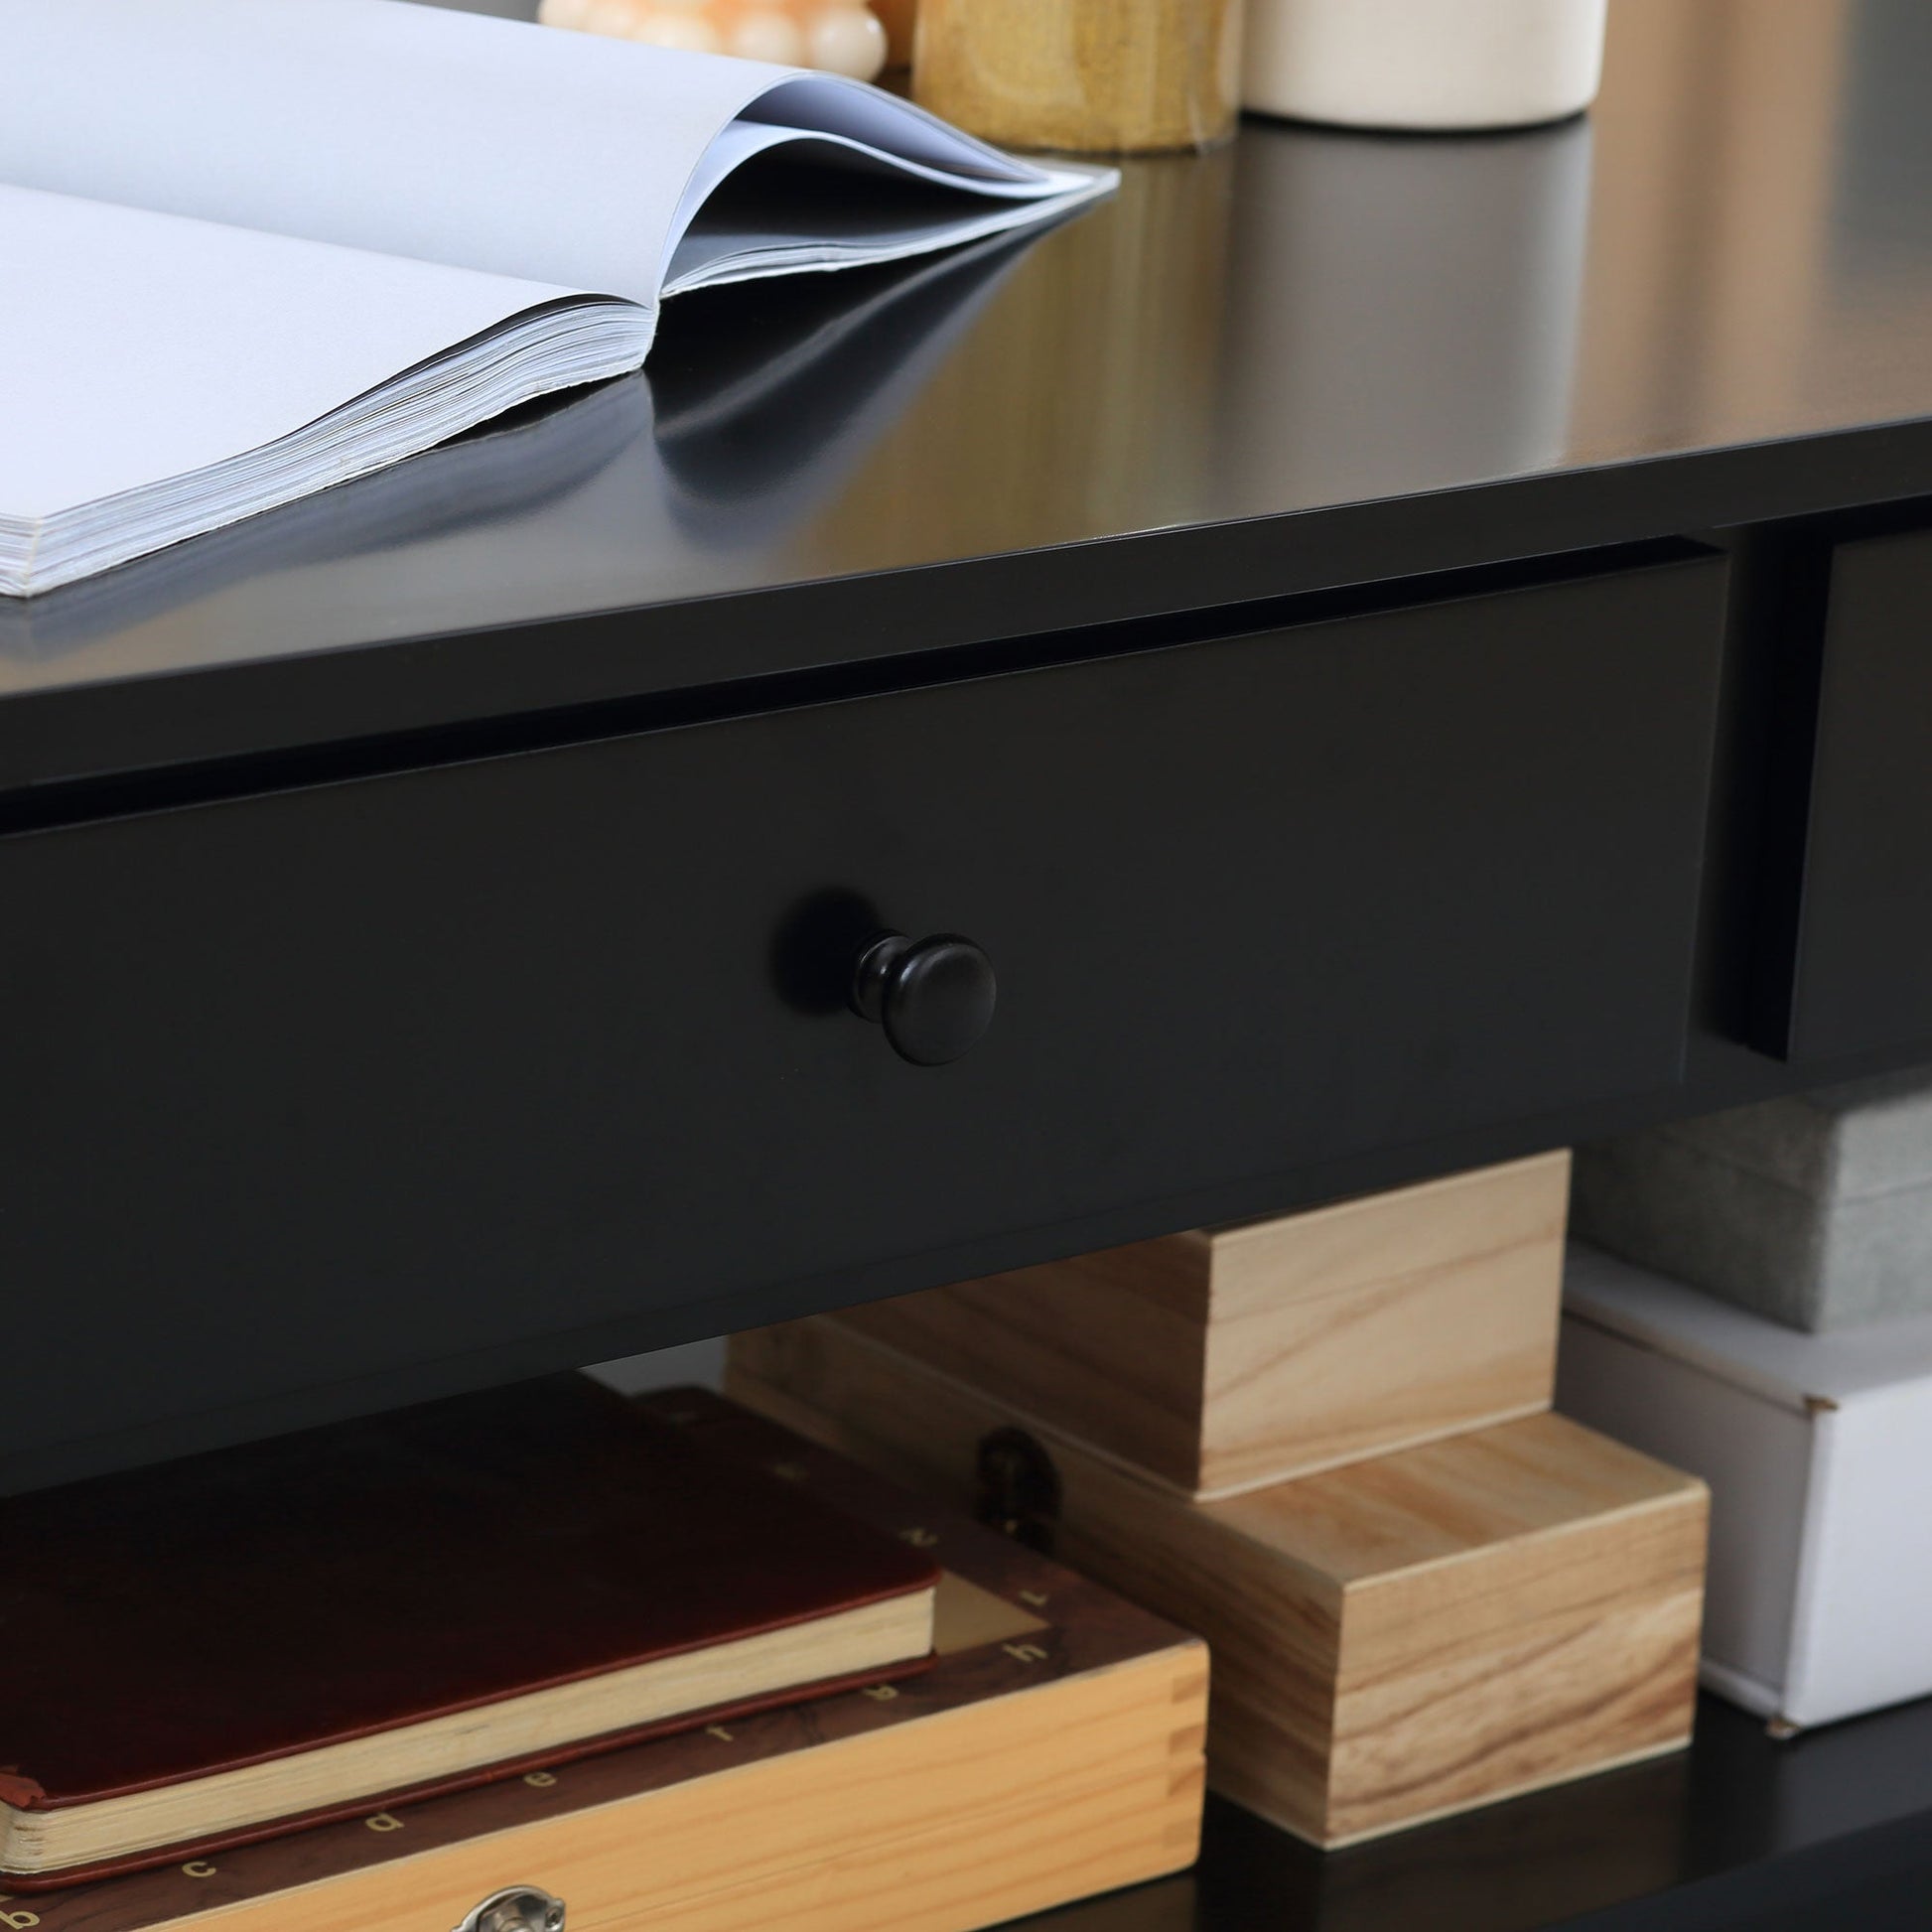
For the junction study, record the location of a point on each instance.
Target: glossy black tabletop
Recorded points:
(1309, 357)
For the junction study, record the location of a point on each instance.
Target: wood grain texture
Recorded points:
(1069, 1732)
(1394, 1640)
(1060, 74)
(1383, 1322)
(1232, 1357)
(890, 1831)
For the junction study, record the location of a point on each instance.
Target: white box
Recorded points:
(1818, 1450)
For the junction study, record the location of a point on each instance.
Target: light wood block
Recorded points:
(1054, 1751)
(1393, 1640)
(1227, 1358)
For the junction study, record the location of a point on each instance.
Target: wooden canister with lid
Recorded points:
(1111, 77)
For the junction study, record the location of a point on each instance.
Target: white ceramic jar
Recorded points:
(1423, 64)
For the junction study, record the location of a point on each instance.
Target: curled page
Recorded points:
(448, 137)
(256, 247)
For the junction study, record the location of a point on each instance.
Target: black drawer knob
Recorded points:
(934, 997)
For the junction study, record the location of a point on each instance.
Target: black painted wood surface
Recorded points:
(1743, 1832)
(393, 882)
(1861, 961)
(536, 1052)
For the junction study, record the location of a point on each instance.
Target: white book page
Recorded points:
(448, 137)
(484, 143)
(141, 346)
(251, 247)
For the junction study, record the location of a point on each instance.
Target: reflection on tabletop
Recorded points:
(750, 416)
(1553, 1858)
(509, 468)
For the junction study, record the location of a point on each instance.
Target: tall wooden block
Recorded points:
(1393, 1640)
(1230, 1357)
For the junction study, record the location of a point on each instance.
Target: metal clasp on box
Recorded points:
(518, 1909)
(1019, 1489)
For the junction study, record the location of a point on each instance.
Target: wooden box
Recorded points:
(1229, 1358)
(1393, 1640)
(1055, 1750)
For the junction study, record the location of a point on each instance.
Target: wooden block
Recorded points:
(1394, 1640)
(1224, 1360)
(1054, 1751)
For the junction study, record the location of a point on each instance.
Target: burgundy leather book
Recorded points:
(220, 1649)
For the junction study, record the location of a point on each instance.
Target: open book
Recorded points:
(255, 247)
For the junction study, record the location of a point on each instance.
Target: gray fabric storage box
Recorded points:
(1816, 1211)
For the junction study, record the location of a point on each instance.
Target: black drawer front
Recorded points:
(316, 1086)
(1863, 973)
